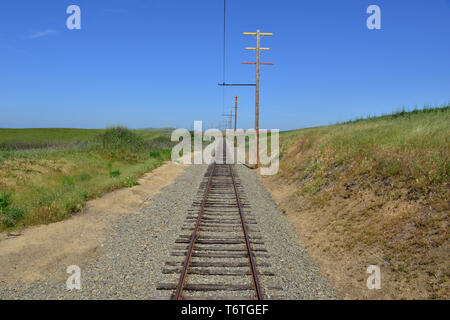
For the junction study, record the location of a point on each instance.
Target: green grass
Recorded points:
(412, 147)
(381, 183)
(50, 173)
(20, 139)
(47, 135)
(404, 155)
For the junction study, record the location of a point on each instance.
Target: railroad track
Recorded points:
(221, 247)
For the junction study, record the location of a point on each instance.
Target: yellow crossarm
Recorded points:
(251, 48)
(254, 34)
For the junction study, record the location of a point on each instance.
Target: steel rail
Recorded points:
(259, 293)
(178, 295)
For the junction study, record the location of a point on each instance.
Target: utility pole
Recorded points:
(258, 48)
(235, 118)
(229, 120)
(235, 112)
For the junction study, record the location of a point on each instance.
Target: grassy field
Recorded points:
(48, 174)
(373, 191)
(20, 139)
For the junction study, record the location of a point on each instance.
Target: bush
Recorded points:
(9, 214)
(130, 182)
(14, 212)
(161, 142)
(155, 154)
(85, 177)
(114, 173)
(8, 221)
(121, 139)
(161, 154)
(5, 200)
(67, 180)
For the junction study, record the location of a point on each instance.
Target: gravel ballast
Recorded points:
(129, 264)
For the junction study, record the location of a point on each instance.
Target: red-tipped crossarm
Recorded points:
(264, 63)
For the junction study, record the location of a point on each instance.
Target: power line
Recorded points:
(224, 51)
(224, 84)
(224, 37)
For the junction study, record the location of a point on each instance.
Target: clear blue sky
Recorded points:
(157, 63)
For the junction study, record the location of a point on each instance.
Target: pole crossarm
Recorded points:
(255, 33)
(252, 48)
(237, 84)
(263, 63)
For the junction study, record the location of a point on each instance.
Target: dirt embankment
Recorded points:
(39, 251)
(344, 259)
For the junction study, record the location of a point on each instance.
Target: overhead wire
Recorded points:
(224, 52)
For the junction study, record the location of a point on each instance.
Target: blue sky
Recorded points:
(157, 63)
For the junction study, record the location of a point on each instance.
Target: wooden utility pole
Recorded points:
(258, 48)
(228, 122)
(235, 111)
(235, 119)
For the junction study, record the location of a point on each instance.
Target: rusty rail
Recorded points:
(259, 293)
(179, 291)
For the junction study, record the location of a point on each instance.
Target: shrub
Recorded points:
(130, 182)
(67, 180)
(114, 173)
(161, 154)
(73, 205)
(9, 214)
(5, 200)
(155, 154)
(14, 212)
(161, 142)
(121, 139)
(85, 177)
(8, 221)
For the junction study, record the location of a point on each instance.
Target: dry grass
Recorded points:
(374, 190)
